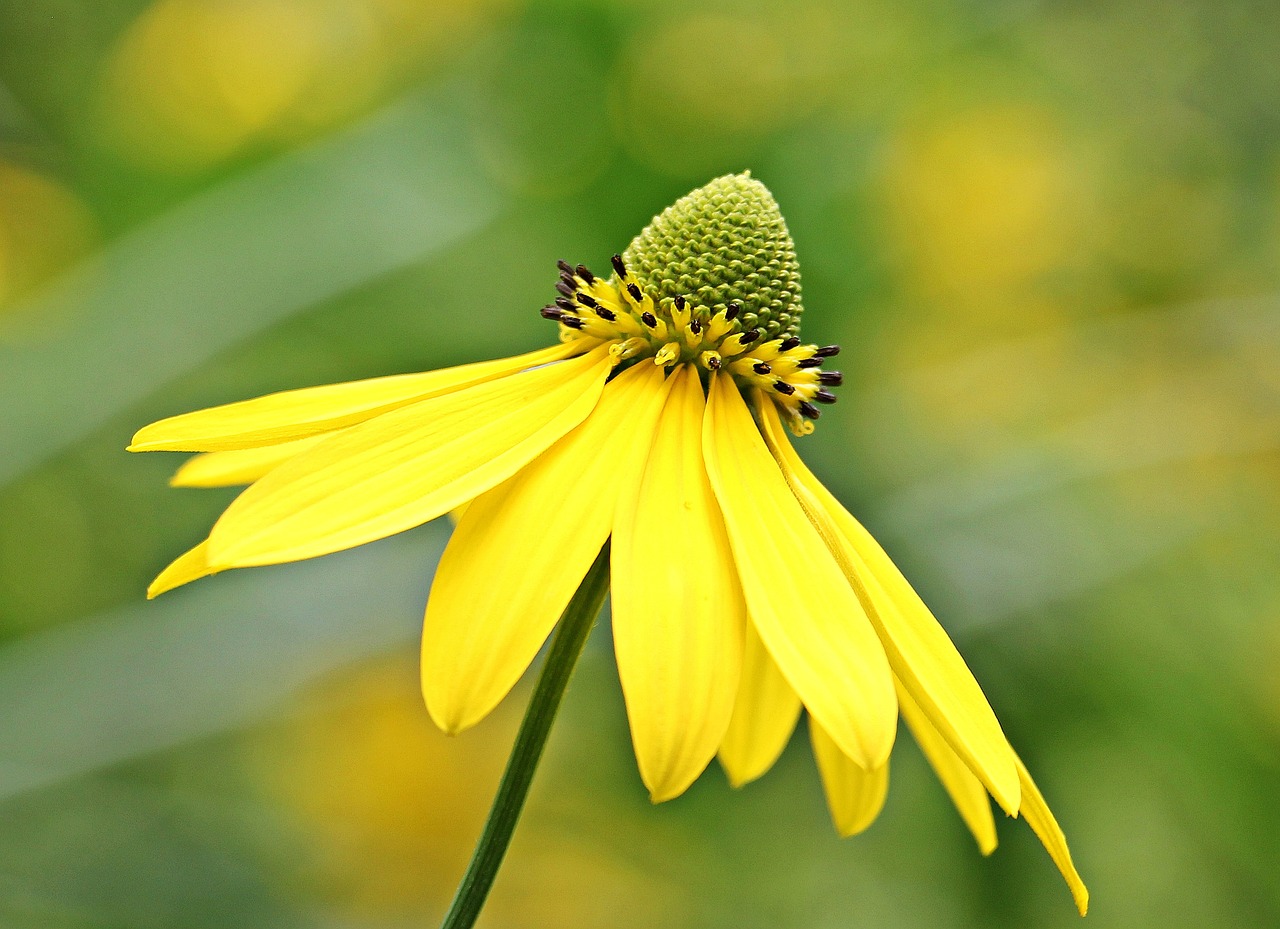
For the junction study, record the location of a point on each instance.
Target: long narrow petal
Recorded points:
(407, 466)
(805, 611)
(521, 549)
(919, 650)
(678, 614)
(1042, 823)
(963, 786)
(764, 715)
(241, 465)
(855, 796)
(292, 414)
(187, 567)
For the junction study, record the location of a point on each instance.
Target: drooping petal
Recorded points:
(1041, 820)
(241, 465)
(678, 614)
(293, 414)
(405, 467)
(799, 601)
(764, 715)
(922, 655)
(855, 796)
(963, 786)
(521, 549)
(189, 566)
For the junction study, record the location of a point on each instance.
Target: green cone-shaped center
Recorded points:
(724, 243)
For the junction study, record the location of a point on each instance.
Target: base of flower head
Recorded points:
(620, 313)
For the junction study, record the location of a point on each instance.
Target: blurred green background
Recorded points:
(1047, 236)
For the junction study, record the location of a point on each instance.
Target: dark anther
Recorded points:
(828, 351)
(679, 302)
(573, 322)
(551, 312)
(606, 314)
(565, 289)
(788, 344)
(618, 266)
(570, 280)
(694, 326)
(831, 378)
(587, 300)
(713, 363)
(649, 319)
(635, 293)
(585, 274)
(809, 410)
(783, 388)
(761, 367)
(566, 304)
(749, 336)
(825, 396)
(565, 267)
(732, 311)
(814, 362)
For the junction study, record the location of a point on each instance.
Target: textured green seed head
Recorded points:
(724, 243)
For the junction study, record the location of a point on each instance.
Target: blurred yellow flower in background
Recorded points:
(742, 590)
(192, 83)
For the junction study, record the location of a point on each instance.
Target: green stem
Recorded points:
(571, 635)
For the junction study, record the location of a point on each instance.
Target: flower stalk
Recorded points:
(571, 635)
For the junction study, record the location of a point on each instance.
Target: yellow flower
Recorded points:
(742, 590)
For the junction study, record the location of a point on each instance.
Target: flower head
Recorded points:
(742, 590)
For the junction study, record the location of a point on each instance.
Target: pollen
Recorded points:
(712, 282)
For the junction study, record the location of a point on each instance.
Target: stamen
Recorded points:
(676, 330)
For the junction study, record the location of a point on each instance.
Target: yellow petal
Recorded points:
(855, 796)
(1040, 819)
(187, 567)
(919, 650)
(678, 615)
(522, 548)
(239, 466)
(799, 601)
(292, 414)
(966, 791)
(405, 467)
(764, 714)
